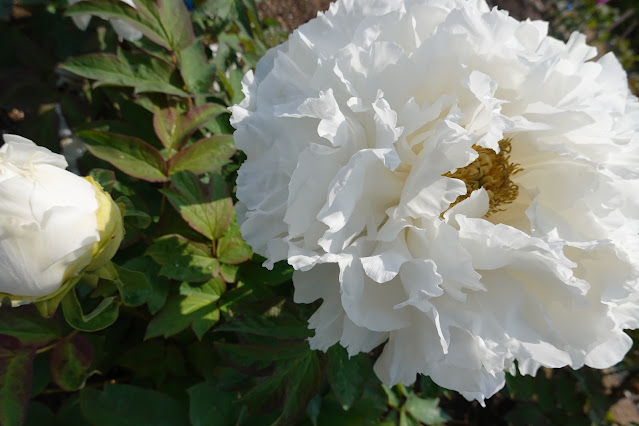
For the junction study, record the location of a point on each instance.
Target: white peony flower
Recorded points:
(53, 224)
(123, 29)
(450, 181)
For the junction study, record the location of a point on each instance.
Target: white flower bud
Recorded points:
(54, 225)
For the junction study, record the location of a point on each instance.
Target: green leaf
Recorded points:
(425, 410)
(159, 286)
(125, 405)
(346, 375)
(143, 73)
(544, 390)
(41, 373)
(101, 317)
(366, 412)
(229, 272)
(520, 387)
(137, 218)
(527, 414)
(175, 20)
(246, 354)
(70, 413)
(27, 325)
(164, 124)
(277, 318)
(201, 355)
(208, 211)
(204, 155)
(131, 155)
(405, 419)
(153, 360)
(165, 22)
(295, 381)
(133, 286)
(570, 400)
(39, 414)
(196, 306)
(174, 129)
(211, 290)
(182, 259)
(146, 360)
(70, 360)
(313, 409)
(232, 84)
(119, 10)
(209, 406)
(48, 307)
(106, 178)
(16, 369)
(235, 298)
(175, 363)
(253, 273)
(232, 248)
(156, 50)
(197, 72)
(264, 326)
(133, 216)
(393, 399)
(429, 389)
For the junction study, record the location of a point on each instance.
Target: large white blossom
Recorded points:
(451, 182)
(53, 224)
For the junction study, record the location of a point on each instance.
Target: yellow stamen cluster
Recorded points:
(492, 172)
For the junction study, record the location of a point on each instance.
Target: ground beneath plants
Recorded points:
(293, 13)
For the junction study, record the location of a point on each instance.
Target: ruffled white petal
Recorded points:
(350, 130)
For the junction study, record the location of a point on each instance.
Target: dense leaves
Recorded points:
(204, 155)
(70, 360)
(102, 316)
(174, 128)
(347, 375)
(131, 155)
(27, 326)
(186, 326)
(131, 405)
(140, 72)
(194, 306)
(182, 259)
(208, 210)
(15, 380)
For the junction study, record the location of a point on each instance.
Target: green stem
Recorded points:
(53, 345)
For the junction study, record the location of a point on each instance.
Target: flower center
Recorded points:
(492, 172)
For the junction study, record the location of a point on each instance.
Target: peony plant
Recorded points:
(122, 28)
(450, 189)
(54, 225)
(454, 184)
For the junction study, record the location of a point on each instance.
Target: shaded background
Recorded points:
(292, 13)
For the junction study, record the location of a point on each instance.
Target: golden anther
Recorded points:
(492, 172)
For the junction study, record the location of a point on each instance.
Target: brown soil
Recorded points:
(293, 13)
